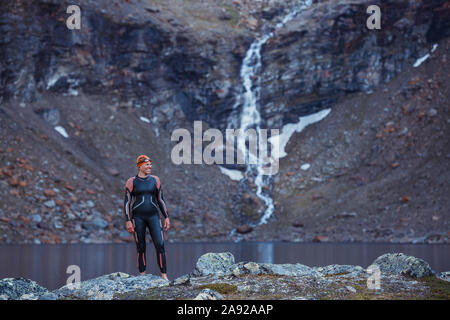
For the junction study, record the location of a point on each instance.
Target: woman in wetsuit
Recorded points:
(143, 197)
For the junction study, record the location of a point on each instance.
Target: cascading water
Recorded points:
(250, 117)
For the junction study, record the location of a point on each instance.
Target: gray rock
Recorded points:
(49, 204)
(432, 112)
(208, 294)
(28, 296)
(351, 289)
(96, 223)
(242, 268)
(294, 270)
(347, 215)
(444, 275)
(20, 288)
(90, 203)
(58, 224)
(104, 287)
(214, 263)
(252, 267)
(400, 263)
(51, 115)
(118, 276)
(337, 269)
(48, 296)
(183, 280)
(36, 218)
(100, 223)
(124, 234)
(113, 171)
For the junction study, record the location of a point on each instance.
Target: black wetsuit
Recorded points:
(143, 197)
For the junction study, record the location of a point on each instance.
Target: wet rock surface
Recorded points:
(245, 280)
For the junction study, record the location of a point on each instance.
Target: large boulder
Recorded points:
(106, 286)
(293, 270)
(21, 289)
(400, 263)
(214, 264)
(208, 294)
(445, 275)
(338, 269)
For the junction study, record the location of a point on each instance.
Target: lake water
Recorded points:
(47, 264)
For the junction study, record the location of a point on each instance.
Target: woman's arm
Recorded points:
(160, 199)
(163, 208)
(126, 205)
(127, 199)
(162, 203)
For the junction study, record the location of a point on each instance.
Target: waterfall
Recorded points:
(250, 117)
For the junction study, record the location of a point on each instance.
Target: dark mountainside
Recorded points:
(380, 161)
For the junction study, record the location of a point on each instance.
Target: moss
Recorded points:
(262, 276)
(337, 274)
(439, 289)
(149, 294)
(268, 297)
(234, 14)
(71, 297)
(222, 288)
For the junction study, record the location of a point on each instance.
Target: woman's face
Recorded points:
(146, 168)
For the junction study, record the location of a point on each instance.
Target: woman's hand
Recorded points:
(166, 224)
(130, 227)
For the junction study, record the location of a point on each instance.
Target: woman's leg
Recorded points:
(157, 238)
(139, 237)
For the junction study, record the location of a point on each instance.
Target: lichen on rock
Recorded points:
(403, 264)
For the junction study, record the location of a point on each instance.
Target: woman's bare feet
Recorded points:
(164, 276)
(142, 273)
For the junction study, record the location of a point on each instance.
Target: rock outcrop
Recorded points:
(104, 287)
(208, 294)
(400, 263)
(213, 263)
(23, 289)
(217, 277)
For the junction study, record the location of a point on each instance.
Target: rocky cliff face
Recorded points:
(169, 65)
(327, 52)
(148, 58)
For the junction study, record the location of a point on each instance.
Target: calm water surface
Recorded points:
(47, 264)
